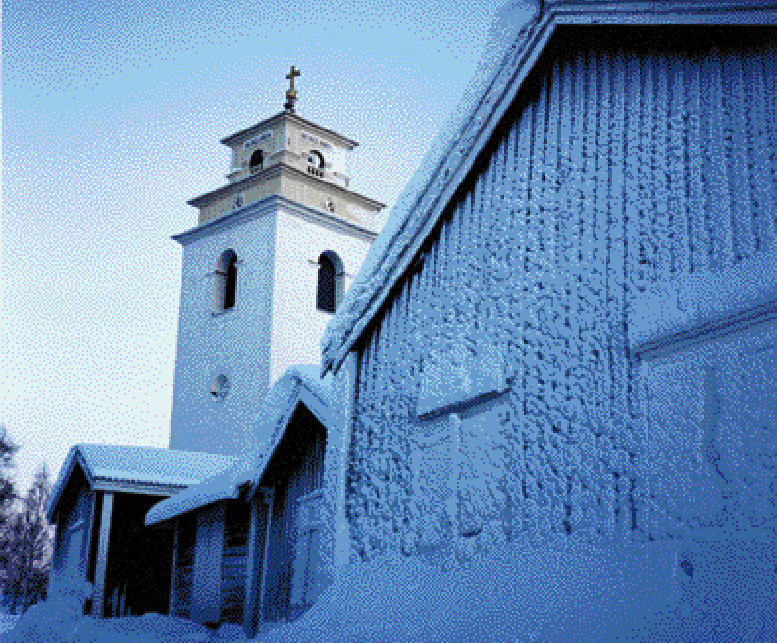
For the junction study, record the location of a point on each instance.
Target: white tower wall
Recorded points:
(274, 323)
(297, 326)
(232, 343)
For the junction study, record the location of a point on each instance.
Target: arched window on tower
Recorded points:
(331, 278)
(256, 162)
(226, 281)
(316, 163)
(316, 159)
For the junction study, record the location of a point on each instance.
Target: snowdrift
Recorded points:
(557, 592)
(716, 586)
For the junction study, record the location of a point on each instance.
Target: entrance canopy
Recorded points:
(155, 471)
(300, 385)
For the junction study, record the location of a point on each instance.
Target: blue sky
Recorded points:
(112, 113)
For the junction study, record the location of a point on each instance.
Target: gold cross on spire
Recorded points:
(291, 92)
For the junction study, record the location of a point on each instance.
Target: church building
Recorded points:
(566, 329)
(568, 326)
(263, 271)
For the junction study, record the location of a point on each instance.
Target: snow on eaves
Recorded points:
(410, 217)
(300, 384)
(139, 465)
(516, 39)
(223, 485)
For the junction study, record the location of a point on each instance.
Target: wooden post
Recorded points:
(209, 551)
(171, 605)
(98, 603)
(256, 564)
(269, 499)
(88, 533)
(56, 556)
(252, 560)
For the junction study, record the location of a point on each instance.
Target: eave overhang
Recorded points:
(98, 483)
(295, 389)
(117, 468)
(267, 206)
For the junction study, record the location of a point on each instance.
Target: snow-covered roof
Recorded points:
(519, 33)
(300, 384)
(415, 212)
(109, 465)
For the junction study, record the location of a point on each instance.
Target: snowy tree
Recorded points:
(7, 496)
(31, 545)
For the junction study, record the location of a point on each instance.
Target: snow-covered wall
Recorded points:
(496, 391)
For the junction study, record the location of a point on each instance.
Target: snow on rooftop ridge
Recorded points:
(134, 460)
(510, 30)
(310, 374)
(138, 465)
(271, 419)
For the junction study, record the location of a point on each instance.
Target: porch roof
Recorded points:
(112, 467)
(300, 384)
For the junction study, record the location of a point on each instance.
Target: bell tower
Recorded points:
(264, 269)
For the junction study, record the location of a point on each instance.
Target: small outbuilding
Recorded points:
(247, 541)
(98, 504)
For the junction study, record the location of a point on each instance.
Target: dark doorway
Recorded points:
(138, 574)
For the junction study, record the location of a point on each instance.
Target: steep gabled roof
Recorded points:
(520, 33)
(300, 385)
(133, 468)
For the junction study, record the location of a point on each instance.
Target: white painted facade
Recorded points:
(273, 325)
(230, 342)
(286, 203)
(297, 326)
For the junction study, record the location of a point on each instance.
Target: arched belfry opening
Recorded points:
(316, 159)
(226, 281)
(256, 161)
(331, 278)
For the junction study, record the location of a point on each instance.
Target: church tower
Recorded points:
(263, 271)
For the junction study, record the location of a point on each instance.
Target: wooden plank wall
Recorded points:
(634, 156)
(184, 566)
(296, 470)
(234, 561)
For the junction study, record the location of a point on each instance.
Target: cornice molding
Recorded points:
(274, 172)
(271, 205)
(238, 136)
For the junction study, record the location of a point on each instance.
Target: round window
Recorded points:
(219, 388)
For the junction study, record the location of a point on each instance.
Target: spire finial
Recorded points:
(291, 92)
